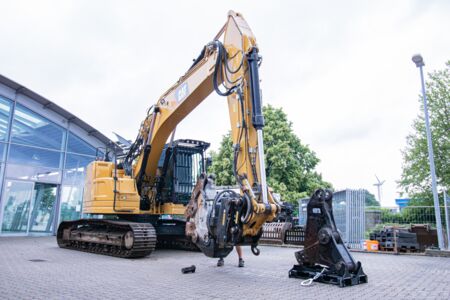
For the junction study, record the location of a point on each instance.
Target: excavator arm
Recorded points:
(230, 68)
(216, 219)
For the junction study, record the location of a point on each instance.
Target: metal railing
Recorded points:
(407, 215)
(379, 217)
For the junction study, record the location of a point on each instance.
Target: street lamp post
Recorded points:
(418, 60)
(446, 220)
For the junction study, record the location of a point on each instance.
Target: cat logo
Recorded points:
(182, 92)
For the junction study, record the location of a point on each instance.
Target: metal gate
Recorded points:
(349, 215)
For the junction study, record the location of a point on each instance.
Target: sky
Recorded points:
(341, 70)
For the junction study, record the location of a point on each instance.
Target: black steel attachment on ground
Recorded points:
(325, 258)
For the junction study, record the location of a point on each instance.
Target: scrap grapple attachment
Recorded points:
(325, 258)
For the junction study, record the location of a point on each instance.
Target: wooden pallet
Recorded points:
(401, 249)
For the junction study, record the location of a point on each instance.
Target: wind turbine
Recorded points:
(378, 185)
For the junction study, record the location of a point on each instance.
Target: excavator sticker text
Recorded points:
(182, 92)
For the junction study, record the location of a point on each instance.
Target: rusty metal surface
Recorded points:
(426, 236)
(295, 236)
(280, 233)
(191, 211)
(283, 233)
(210, 224)
(272, 233)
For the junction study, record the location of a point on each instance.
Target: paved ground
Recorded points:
(67, 274)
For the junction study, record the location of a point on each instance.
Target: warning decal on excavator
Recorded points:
(182, 92)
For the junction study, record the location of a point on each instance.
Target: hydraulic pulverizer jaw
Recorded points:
(325, 258)
(215, 219)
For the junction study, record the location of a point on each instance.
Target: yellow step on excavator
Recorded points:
(159, 192)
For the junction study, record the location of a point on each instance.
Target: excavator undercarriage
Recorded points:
(115, 238)
(130, 235)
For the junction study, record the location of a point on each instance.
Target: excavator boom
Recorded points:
(229, 68)
(228, 65)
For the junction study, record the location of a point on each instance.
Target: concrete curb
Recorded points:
(437, 253)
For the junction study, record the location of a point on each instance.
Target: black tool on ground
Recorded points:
(190, 269)
(324, 248)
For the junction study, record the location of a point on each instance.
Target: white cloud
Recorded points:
(341, 70)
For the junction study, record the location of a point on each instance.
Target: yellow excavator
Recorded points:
(159, 191)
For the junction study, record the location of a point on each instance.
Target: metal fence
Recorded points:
(379, 217)
(407, 215)
(356, 222)
(349, 216)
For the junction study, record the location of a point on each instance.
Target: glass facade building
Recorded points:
(44, 151)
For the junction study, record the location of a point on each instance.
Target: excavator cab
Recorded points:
(179, 167)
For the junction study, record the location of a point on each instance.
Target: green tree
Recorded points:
(370, 199)
(416, 179)
(290, 165)
(222, 162)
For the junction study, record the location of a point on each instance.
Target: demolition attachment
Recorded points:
(215, 220)
(325, 258)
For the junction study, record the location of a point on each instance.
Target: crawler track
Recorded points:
(176, 243)
(115, 238)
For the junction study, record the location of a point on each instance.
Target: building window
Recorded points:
(28, 207)
(77, 145)
(16, 206)
(71, 201)
(5, 110)
(2, 151)
(73, 186)
(29, 128)
(44, 166)
(75, 169)
(43, 212)
(32, 156)
(74, 161)
(41, 174)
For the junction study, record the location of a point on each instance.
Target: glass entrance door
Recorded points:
(43, 212)
(28, 207)
(16, 206)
